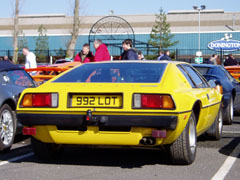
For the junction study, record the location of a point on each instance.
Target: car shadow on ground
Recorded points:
(229, 149)
(235, 122)
(15, 152)
(20, 138)
(112, 157)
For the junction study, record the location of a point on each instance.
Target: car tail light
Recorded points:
(219, 88)
(153, 101)
(40, 100)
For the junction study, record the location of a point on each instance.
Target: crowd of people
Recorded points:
(102, 53)
(129, 53)
(229, 60)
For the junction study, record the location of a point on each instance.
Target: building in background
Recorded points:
(184, 25)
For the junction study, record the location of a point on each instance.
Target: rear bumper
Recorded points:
(66, 120)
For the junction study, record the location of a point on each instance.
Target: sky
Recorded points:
(103, 7)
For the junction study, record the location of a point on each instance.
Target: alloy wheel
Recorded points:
(6, 127)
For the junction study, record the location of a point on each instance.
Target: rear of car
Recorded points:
(118, 104)
(87, 99)
(13, 80)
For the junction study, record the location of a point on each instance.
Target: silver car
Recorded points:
(13, 80)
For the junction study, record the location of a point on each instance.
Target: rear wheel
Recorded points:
(183, 150)
(229, 113)
(44, 151)
(8, 123)
(215, 132)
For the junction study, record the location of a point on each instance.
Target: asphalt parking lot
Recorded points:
(215, 160)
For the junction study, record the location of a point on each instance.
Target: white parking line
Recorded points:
(227, 165)
(16, 158)
(232, 132)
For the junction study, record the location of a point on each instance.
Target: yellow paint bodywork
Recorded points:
(173, 83)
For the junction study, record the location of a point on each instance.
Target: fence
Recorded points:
(186, 55)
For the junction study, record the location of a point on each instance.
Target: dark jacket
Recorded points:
(102, 53)
(230, 62)
(130, 54)
(165, 57)
(88, 58)
(207, 61)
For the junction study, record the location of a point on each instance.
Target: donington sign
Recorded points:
(225, 44)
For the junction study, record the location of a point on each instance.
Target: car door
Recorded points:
(206, 95)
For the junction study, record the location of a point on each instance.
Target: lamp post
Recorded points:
(199, 9)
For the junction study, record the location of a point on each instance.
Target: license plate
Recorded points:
(114, 101)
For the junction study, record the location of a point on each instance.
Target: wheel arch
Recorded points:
(196, 109)
(11, 103)
(233, 93)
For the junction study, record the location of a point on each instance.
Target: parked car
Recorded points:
(13, 80)
(231, 88)
(126, 103)
(60, 61)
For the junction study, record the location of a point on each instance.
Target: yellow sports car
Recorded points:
(124, 103)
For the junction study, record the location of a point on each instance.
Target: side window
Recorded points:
(198, 81)
(186, 75)
(229, 76)
(19, 78)
(220, 72)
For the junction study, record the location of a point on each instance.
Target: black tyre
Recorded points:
(229, 113)
(215, 132)
(183, 150)
(44, 151)
(8, 123)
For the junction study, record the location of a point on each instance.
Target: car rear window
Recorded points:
(19, 78)
(202, 70)
(115, 73)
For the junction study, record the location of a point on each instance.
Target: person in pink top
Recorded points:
(102, 53)
(85, 55)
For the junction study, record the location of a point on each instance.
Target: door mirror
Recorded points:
(6, 79)
(212, 83)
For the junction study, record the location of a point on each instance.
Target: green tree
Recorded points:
(160, 37)
(61, 53)
(42, 46)
(22, 42)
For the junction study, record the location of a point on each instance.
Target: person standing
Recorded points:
(161, 54)
(230, 61)
(102, 53)
(140, 56)
(5, 58)
(166, 55)
(213, 59)
(30, 61)
(129, 53)
(85, 55)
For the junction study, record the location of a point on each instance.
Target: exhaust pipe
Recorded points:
(151, 141)
(143, 141)
(148, 141)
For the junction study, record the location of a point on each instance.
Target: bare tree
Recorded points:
(76, 23)
(16, 32)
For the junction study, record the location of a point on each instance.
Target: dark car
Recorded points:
(13, 80)
(231, 88)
